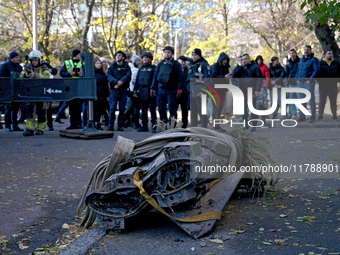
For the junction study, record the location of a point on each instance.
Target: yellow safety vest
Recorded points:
(69, 66)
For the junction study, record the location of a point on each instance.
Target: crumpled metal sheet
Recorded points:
(170, 182)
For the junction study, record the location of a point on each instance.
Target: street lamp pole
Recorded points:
(177, 31)
(35, 24)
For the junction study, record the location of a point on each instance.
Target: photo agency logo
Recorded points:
(242, 102)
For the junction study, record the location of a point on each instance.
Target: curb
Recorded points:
(85, 242)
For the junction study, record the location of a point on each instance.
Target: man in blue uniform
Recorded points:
(119, 76)
(141, 91)
(167, 83)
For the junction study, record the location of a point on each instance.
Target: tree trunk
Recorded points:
(89, 7)
(326, 37)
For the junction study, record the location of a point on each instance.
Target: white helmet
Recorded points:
(35, 54)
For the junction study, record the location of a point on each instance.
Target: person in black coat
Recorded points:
(141, 92)
(277, 74)
(119, 76)
(184, 98)
(102, 92)
(291, 69)
(220, 70)
(248, 75)
(11, 110)
(199, 69)
(329, 68)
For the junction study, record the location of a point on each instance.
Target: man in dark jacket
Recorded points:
(249, 75)
(11, 110)
(308, 70)
(329, 68)
(119, 76)
(168, 82)
(291, 69)
(220, 70)
(277, 73)
(200, 68)
(141, 91)
(184, 98)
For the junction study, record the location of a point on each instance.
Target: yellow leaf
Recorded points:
(216, 241)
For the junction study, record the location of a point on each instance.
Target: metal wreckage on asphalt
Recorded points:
(160, 172)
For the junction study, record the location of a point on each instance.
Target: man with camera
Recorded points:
(73, 68)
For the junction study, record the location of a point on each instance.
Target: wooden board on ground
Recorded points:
(79, 134)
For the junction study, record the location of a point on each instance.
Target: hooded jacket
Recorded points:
(219, 70)
(308, 67)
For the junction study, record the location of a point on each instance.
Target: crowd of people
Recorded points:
(136, 86)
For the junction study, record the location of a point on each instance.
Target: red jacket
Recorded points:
(266, 73)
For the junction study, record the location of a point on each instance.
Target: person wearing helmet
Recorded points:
(167, 83)
(73, 68)
(119, 77)
(37, 68)
(141, 91)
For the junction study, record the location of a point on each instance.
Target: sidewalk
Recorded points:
(43, 178)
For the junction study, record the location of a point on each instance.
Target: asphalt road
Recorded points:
(43, 177)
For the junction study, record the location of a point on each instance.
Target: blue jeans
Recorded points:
(278, 100)
(113, 100)
(61, 110)
(11, 112)
(152, 108)
(167, 97)
(311, 88)
(293, 95)
(84, 109)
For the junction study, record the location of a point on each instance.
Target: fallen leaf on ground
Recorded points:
(216, 241)
(234, 231)
(305, 218)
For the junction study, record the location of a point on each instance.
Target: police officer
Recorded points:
(167, 83)
(73, 68)
(119, 76)
(199, 69)
(141, 91)
(183, 99)
(37, 69)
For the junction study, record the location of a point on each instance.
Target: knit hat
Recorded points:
(75, 53)
(103, 59)
(183, 58)
(198, 52)
(13, 54)
(135, 58)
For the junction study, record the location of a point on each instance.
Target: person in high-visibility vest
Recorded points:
(37, 69)
(74, 68)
